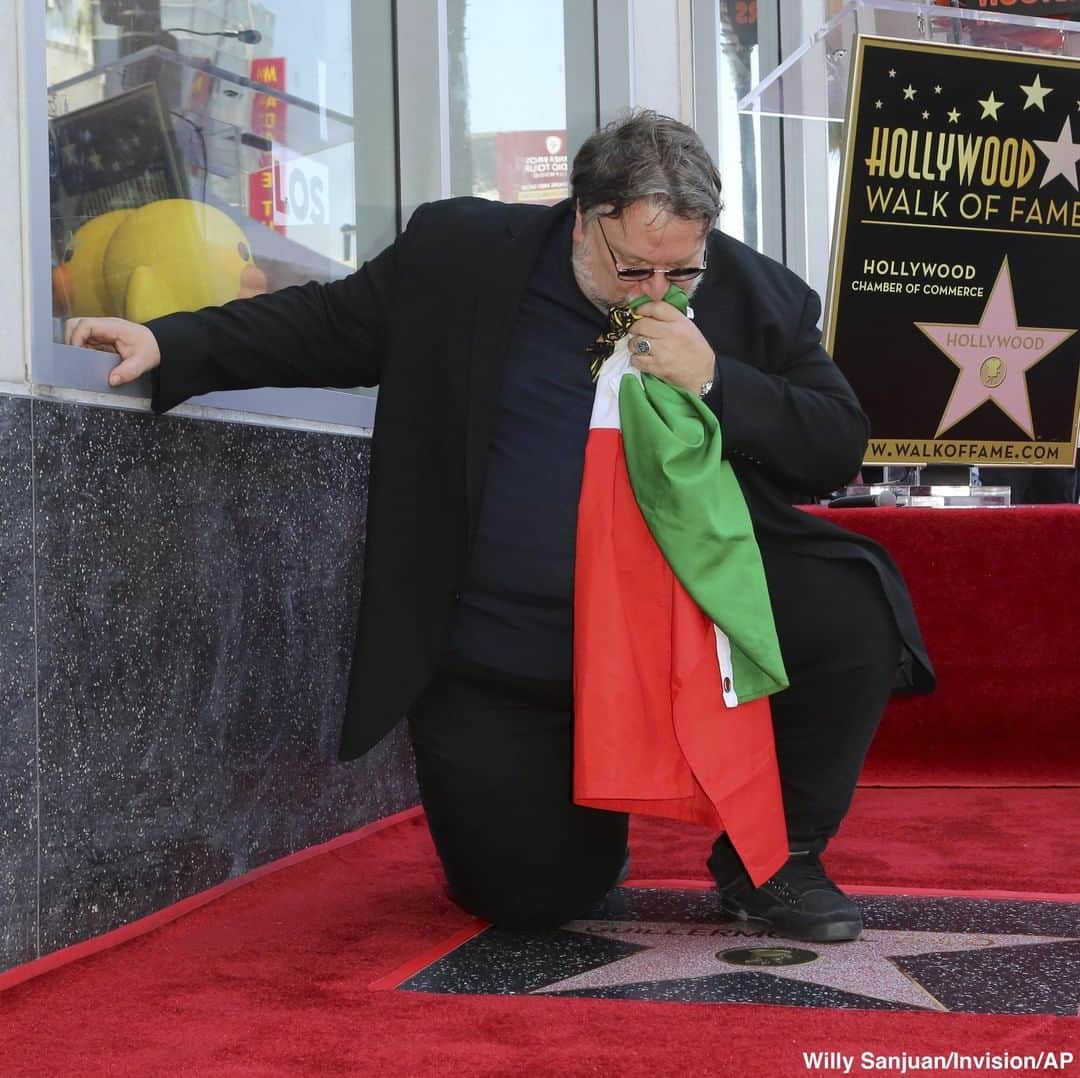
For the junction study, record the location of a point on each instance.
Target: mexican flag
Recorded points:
(675, 650)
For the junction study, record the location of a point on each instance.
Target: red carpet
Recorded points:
(273, 978)
(996, 595)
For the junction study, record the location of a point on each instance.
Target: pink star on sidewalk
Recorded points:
(994, 357)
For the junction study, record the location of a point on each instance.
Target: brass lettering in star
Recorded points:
(767, 956)
(990, 107)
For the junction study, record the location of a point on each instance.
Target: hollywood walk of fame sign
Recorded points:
(915, 954)
(953, 308)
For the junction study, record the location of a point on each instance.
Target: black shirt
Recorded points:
(515, 613)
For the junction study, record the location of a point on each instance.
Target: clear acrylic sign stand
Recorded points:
(812, 84)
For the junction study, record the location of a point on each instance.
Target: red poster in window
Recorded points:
(268, 115)
(261, 198)
(267, 111)
(531, 166)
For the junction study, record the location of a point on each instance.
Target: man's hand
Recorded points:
(678, 352)
(134, 344)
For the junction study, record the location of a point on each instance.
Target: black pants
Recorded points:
(494, 753)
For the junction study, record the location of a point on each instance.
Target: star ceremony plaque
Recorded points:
(953, 300)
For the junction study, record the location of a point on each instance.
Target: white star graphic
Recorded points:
(878, 104)
(953, 115)
(990, 107)
(1035, 94)
(937, 89)
(1061, 156)
(680, 951)
(925, 115)
(909, 92)
(993, 357)
(892, 72)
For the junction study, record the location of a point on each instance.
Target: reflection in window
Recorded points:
(740, 133)
(508, 117)
(199, 151)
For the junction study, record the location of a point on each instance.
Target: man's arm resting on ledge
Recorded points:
(306, 335)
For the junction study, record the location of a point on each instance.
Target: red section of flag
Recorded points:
(652, 732)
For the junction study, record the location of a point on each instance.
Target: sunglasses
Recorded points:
(643, 273)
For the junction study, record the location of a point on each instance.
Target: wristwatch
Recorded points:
(707, 386)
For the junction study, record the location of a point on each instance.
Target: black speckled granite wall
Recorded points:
(18, 718)
(196, 590)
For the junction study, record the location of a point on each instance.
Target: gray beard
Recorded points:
(587, 283)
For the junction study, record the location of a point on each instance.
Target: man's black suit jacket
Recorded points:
(429, 321)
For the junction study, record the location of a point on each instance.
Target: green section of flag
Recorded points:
(695, 509)
(674, 295)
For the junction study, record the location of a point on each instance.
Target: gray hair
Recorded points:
(646, 156)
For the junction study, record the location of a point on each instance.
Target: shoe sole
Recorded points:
(829, 932)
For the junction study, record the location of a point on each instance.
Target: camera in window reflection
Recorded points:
(132, 14)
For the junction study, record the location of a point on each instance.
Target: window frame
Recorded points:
(424, 91)
(56, 369)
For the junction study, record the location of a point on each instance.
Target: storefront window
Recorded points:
(199, 151)
(512, 135)
(740, 133)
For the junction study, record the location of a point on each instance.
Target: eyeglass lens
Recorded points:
(643, 273)
(681, 273)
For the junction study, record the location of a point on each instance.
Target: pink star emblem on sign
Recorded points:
(994, 357)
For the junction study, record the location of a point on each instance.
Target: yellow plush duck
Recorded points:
(177, 255)
(79, 280)
(172, 255)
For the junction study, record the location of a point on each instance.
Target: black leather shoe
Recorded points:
(799, 902)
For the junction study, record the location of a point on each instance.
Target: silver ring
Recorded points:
(642, 346)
